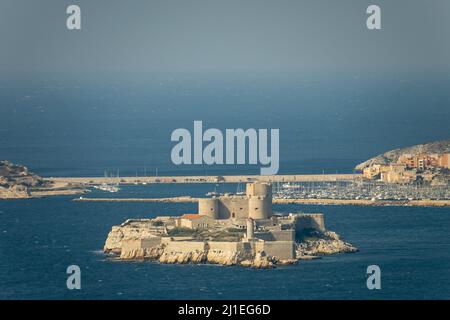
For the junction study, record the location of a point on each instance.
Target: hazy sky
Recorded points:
(221, 36)
(142, 68)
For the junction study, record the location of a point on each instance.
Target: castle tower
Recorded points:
(209, 207)
(259, 200)
(259, 189)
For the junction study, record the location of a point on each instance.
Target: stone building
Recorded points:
(424, 161)
(265, 231)
(255, 204)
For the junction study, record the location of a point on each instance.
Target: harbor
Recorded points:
(356, 193)
(361, 190)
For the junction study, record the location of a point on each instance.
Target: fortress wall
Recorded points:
(202, 222)
(147, 243)
(280, 249)
(264, 223)
(129, 244)
(247, 247)
(225, 246)
(233, 205)
(276, 235)
(185, 246)
(257, 245)
(283, 235)
(310, 221)
(266, 236)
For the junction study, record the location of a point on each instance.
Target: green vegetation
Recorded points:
(232, 234)
(235, 230)
(225, 235)
(182, 232)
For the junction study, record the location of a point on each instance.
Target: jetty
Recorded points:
(209, 179)
(353, 202)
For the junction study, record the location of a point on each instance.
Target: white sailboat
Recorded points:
(109, 188)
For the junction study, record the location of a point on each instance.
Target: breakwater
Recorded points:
(208, 179)
(354, 202)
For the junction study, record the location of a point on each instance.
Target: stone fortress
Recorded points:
(255, 204)
(230, 230)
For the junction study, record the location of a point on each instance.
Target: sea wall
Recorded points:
(284, 250)
(276, 235)
(310, 221)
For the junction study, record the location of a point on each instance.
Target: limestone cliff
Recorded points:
(121, 243)
(393, 155)
(127, 240)
(324, 244)
(226, 258)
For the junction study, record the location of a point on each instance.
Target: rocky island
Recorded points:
(228, 230)
(17, 182)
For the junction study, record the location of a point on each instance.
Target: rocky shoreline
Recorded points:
(121, 241)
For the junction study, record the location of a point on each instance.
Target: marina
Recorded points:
(360, 190)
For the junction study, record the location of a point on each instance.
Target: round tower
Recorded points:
(259, 207)
(259, 189)
(209, 207)
(259, 200)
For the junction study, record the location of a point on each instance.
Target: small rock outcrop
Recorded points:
(326, 243)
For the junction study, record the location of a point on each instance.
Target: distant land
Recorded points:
(427, 164)
(393, 155)
(17, 182)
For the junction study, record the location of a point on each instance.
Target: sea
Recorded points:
(84, 127)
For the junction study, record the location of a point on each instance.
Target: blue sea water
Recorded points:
(328, 123)
(40, 238)
(82, 127)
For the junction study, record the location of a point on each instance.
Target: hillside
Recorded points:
(392, 156)
(16, 182)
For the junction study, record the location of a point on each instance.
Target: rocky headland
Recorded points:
(325, 243)
(17, 182)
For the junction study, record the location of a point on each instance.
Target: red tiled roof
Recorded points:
(191, 216)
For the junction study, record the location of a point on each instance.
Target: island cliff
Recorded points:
(133, 241)
(229, 230)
